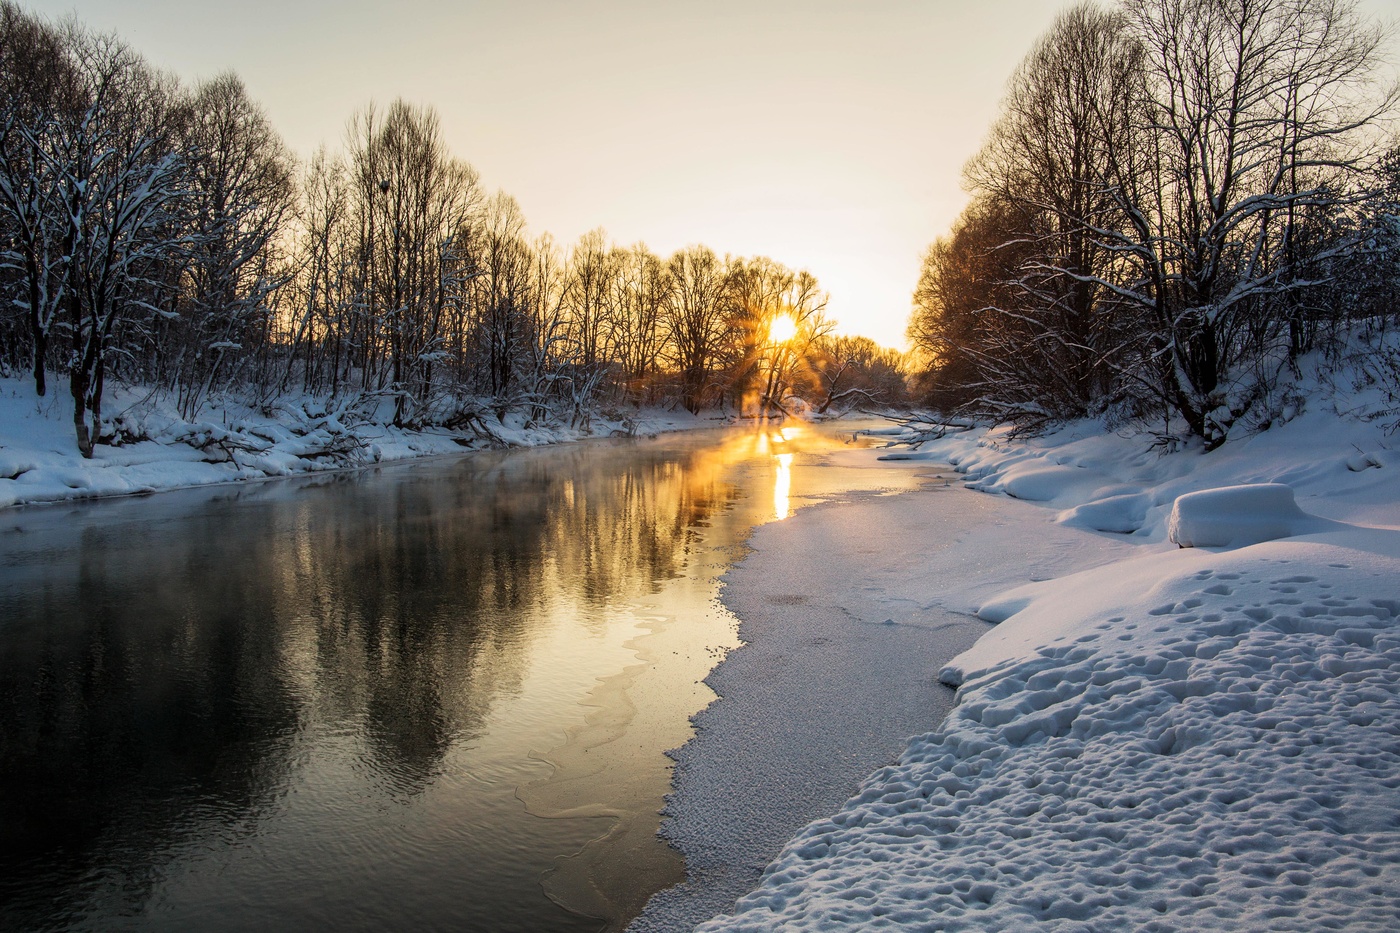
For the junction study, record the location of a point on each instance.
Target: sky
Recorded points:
(829, 136)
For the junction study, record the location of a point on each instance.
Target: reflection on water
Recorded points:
(326, 705)
(782, 487)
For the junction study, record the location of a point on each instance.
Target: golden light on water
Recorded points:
(782, 487)
(782, 329)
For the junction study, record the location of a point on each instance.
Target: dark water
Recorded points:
(408, 699)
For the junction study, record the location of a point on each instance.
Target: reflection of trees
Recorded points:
(437, 582)
(155, 672)
(134, 681)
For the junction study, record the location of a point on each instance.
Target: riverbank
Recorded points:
(155, 449)
(838, 669)
(1152, 737)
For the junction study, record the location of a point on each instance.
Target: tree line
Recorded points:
(1179, 199)
(164, 236)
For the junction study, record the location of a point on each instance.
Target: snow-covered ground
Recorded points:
(1178, 738)
(237, 442)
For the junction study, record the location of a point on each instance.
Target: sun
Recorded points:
(782, 329)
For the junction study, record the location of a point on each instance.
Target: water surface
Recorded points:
(427, 696)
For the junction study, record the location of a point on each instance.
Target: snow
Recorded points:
(1238, 515)
(238, 442)
(845, 637)
(835, 676)
(1202, 738)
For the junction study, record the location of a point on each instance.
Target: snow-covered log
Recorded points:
(1233, 516)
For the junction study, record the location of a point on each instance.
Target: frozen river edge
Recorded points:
(839, 669)
(1151, 738)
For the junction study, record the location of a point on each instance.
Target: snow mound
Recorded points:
(1121, 514)
(1005, 606)
(1233, 516)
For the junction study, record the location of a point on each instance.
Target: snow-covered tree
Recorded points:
(1253, 118)
(39, 87)
(240, 180)
(1063, 328)
(1173, 181)
(123, 187)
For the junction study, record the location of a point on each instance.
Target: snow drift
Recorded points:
(1238, 515)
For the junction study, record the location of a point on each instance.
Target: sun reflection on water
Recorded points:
(782, 486)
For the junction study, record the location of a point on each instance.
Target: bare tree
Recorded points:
(240, 178)
(39, 86)
(1045, 157)
(547, 346)
(857, 370)
(967, 348)
(1253, 115)
(640, 291)
(417, 208)
(696, 320)
(503, 266)
(790, 361)
(756, 288)
(324, 286)
(588, 297)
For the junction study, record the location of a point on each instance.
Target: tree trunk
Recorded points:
(78, 386)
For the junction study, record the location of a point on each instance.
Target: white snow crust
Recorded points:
(1204, 738)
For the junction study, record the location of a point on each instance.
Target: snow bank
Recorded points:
(157, 449)
(838, 669)
(1182, 739)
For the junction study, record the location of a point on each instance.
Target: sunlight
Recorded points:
(782, 487)
(782, 329)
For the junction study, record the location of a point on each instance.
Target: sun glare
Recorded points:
(783, 329)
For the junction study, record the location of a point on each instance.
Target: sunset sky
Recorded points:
(827, 135)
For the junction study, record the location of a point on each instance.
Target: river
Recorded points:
(427, 696)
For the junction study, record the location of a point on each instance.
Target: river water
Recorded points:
(430, 696)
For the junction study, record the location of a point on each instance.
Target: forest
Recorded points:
(1181, 204)
(164, 236)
